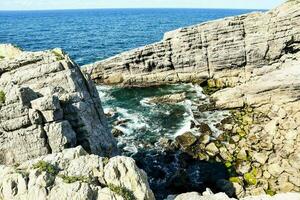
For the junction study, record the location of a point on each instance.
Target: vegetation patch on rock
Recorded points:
(44, 166)
(122, 191)
(58, 53)
(2, 97)
(73, 179)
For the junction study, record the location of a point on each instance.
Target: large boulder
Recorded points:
(47, 105)
(74, 174)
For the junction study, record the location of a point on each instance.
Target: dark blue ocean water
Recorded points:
(91, 35)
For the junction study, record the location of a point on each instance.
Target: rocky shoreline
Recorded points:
(56, 142)
(247, 65)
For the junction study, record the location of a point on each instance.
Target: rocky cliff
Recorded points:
(229, 49)
(47, 105)
(248, 64)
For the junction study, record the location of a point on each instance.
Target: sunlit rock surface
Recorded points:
(47, 105)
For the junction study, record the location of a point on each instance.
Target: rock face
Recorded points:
(47, 105)
(228, 49)
(74, 174)
(250, 63)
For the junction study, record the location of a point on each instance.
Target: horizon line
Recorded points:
(120, 8)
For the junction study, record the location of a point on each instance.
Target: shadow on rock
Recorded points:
(176, 172)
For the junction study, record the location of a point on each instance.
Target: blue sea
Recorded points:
(92, 35)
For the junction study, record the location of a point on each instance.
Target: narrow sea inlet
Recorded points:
(146, 123)
(141, 124)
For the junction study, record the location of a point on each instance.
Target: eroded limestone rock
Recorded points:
(227, 51)
(74, 174)
(48, 106)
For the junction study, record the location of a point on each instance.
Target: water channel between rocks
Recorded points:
(143, 128)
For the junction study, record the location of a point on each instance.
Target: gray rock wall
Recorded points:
(47, 105)
(223, 48)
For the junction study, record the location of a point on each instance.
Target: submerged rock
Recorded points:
(167, 99)
(116, 132)
(186, 140)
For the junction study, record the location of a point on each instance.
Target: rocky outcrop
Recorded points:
(248, 64)
(47, 105)
(74, 174)
(228, 50)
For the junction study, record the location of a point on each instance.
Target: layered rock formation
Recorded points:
(228, 49)
(47, 105)
(74, 174)
(251, 65)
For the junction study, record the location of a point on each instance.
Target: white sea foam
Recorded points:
(103, 91)
(189, 116)
(146, 103)
(136, 121)
(199, 92)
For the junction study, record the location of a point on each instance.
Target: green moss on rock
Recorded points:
(236, 180)
(270, 192)
(43, 166)
(73, 179)
(2, 97)
(250, 179)
(122, 191)
(58, 53)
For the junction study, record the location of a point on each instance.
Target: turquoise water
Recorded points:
(147, 123)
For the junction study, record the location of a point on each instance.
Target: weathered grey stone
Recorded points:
(42, 88)
(46, 103)
(275, 169)
(35, 116)
(52, 115)
(187, 139)
(122, 171)
(227, 50)
(260, 157)
(58, 141)
(251, 61)
(167, 99)
(73, 174)
(212, 149)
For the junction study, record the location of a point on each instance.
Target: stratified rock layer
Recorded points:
(254, 62)
(74, 174)
(227, 49)
(47, 105)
